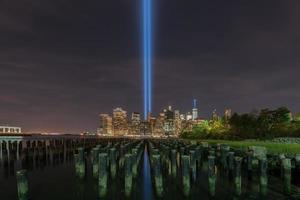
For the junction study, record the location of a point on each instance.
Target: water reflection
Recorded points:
(147, 183)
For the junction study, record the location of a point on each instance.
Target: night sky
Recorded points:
(62, 62)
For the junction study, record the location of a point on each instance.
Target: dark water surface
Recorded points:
(57, 181)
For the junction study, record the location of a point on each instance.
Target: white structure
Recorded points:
(195, 114)
(189, 116)
(195, 110)
(10, 130)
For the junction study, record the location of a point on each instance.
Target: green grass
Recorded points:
(272, 147)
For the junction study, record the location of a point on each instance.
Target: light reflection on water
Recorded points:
(147, 183)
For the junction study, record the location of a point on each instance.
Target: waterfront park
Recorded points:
(88, 167)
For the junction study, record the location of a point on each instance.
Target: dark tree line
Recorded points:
(264, 124)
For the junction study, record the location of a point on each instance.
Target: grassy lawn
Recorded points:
(271, 146)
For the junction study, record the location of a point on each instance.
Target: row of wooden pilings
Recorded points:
(187, 161)
(112, 160)
(14, 151)
(78, 149)
(122, 158)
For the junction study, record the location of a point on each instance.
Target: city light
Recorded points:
(147, 56)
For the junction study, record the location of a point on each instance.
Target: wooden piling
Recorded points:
(102, 180)
(186, 175)
(238, 176)
(128, 175)
(113, 162)
(212, 175)
(22, 185)
(157, 175)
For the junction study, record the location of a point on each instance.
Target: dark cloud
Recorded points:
(63, 62)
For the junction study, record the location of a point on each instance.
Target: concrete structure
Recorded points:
(10, 130)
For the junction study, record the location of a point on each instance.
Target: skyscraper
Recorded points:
(105, 127)
(177, 122)
(159, 125)
(120, 124)
(135, 123)
(195, 110)
(169, 121)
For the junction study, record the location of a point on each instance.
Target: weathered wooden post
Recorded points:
(193, 165)
(102, 181)
(224, 153)
(128, 174)
(198, 152)
(211, 175)
(281, 157)
(186, 175)
(8, 150)
(249, 163)
(22, 184)
(238, 176)
(157, 175)
(134, 162)
(121, 156)
(287, 174)
(173, 162)
(65, 150)
(18, 150)
(80, 163)
(181, 151)
(77, 165)
(231, 161)
(113, 162)
(168, 161)
(95, 161)
(263, 176)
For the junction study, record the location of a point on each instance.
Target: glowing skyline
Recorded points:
(147, 56)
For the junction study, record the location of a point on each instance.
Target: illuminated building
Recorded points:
(177, 122)
(187, 125)
(105, 127)
(120, 124)
(158, 129)
(189, 116)
(10, 130)
(135, 123)
(169, 121)
(145, 128)
(195, 110)
(182, 116)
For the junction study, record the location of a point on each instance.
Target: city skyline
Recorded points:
(61, 66)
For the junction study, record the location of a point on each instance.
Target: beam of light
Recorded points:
(147, 56)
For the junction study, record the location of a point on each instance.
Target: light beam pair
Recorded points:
(147, 56)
